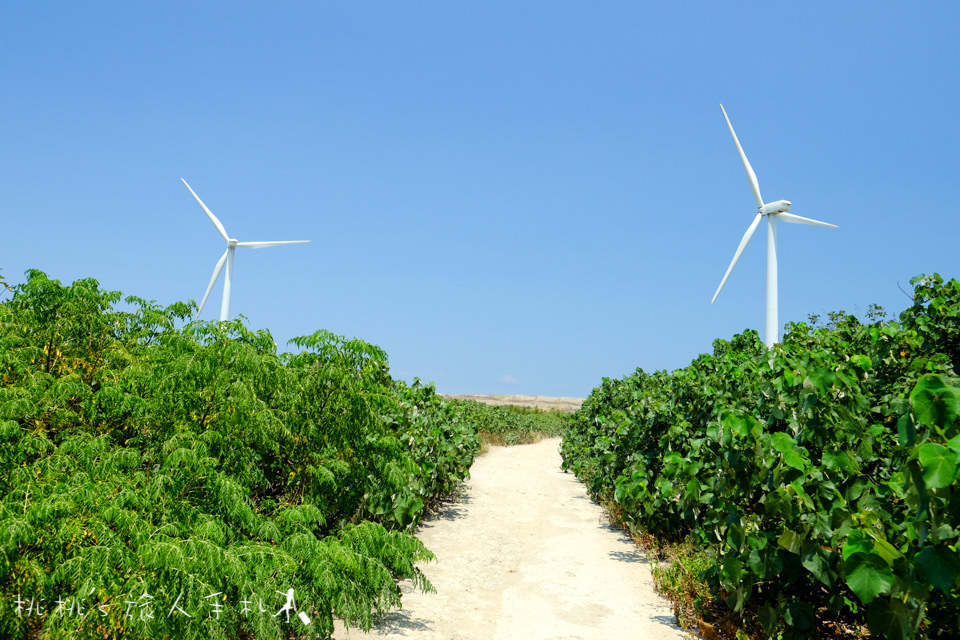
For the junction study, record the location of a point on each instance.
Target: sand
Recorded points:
(525, 554)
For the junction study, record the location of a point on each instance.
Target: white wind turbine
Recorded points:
(773, 211)
(227, 258)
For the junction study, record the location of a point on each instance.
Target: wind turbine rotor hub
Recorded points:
(232, 243)
(780, 206)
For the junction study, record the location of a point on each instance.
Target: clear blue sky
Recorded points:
(508, 197)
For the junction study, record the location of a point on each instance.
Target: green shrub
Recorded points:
(166, 478)
(822, 472)
(511, 425)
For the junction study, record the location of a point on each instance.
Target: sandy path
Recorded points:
(525, 554)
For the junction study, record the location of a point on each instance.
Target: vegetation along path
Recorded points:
(524, 553)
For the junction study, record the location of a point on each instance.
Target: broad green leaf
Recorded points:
(782, 442)
(757, 540)
(861, 361)
(713, 431)
(884, 549)
(741, 425)
(789, 377)
(737, 597)
(808, 400)
(735, 537)
(889, 619)
(813, 560)
(769, 617)
(906, 431)
(855, 490)
(791, 541)
(835, 460)
(786, 445)
(822, 380)
(939, 465)
(935, 403)
(939, 565)
(857, 541)
(766, 564)
(731, 570)
(672, 463)
(800, 616)
(954, 443)
(868, 575)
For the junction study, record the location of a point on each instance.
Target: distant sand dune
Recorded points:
(530, 402)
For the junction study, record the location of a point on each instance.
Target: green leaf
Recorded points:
(835, 460)
(791, 541)
(808, 400)
(731, 570)
(885, 550)
(939, 465)
(855, 490)
(906, 432)
(857, 541)
(800, 615)
(735, 537)
(822, 380)
(939, 565)
(954, 443)
(713, 431)
(786, 445)
(868, 575)
(935, 403)
(813, 560)
(890, 619)
(769, 617)
(766, 564)
(861, 361)
(890, 329)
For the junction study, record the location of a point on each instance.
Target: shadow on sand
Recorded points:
(452, 507)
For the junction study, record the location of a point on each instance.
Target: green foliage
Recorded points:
(822, 474)
(166, 478)
(6, 285)
(511, 425)
(680, 579)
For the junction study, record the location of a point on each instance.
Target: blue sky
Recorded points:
(507, 197)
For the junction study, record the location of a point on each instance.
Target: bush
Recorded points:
(511, 425)
(166, 478)
(822, 473)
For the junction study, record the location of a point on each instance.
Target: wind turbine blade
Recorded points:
(751, 176)
(743, 245)
(216, 274)
(789, 217)
(261, 245)
(209, 213)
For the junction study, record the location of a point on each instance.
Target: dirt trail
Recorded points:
(525, 554)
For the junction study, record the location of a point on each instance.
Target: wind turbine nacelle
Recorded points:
(780, 206)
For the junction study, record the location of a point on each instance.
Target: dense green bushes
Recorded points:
(510, 425)
(166, 478)
(821, 474)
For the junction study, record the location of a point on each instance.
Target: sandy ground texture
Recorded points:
(525, 554)
(529, 402)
